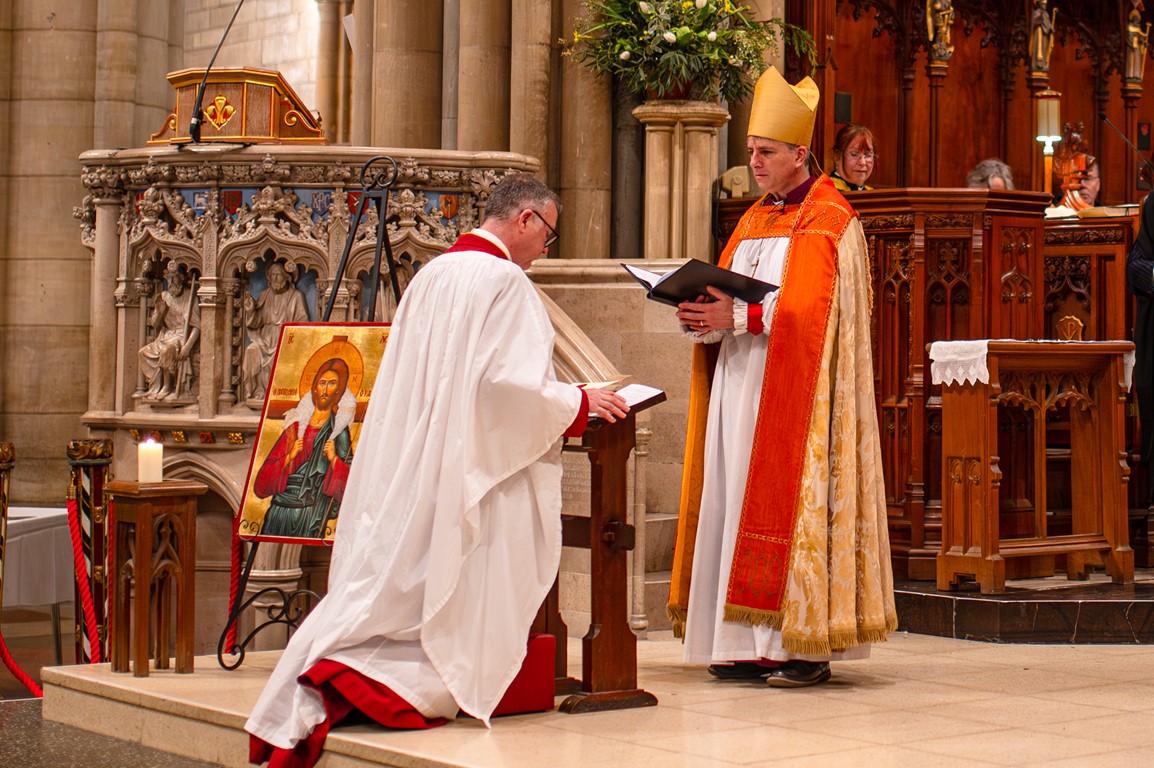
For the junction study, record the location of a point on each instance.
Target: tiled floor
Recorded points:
(919, 701)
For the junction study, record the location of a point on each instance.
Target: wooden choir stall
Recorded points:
(962, 264)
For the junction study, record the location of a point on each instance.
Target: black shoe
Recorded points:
(798, 674)
(740, 670)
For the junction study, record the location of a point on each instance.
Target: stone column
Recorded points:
(361, 108)
(736, 152)
(530, 77)
(102, 357)
(628, 167)
(483, 75)
(586, 149)
(680, 165)
(450, 73)
(638, 621)
(404, 83)
(116, 73)
(46, 271)
(329, 44)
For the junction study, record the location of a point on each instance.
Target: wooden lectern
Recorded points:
(609, 649)
(250, 106)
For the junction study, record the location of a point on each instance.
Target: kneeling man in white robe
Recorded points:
(450, 529)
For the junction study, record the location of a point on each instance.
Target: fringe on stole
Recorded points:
(752, 616)
(834, 642)
(676, 616)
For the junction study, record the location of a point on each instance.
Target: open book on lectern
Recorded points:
(689, 281)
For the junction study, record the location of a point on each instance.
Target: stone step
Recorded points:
(201, 716)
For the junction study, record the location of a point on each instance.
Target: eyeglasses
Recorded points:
(860, 155)
(552, 238)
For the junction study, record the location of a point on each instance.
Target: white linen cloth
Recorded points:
(733, 408)
(964, 362)
(450, 531)
(38, 567)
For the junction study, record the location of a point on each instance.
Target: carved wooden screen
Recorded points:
(939, 260)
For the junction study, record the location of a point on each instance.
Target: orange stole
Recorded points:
(764, 546)
(817, 226)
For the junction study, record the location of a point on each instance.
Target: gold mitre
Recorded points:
(781, 111)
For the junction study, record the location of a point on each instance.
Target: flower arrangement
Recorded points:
(696, 49)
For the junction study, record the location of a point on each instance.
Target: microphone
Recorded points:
(1106, 120)
(195, 122)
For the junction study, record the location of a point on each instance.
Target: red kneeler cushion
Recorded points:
(532, 688)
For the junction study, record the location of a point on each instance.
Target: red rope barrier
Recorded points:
(18, 673)
(82, 583)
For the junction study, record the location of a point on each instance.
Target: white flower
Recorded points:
(670, 37)
(645, 7)
(624, 56)
(711, 37)
(700, 3)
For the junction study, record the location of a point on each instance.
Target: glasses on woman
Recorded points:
(553, 235)
(854, 155)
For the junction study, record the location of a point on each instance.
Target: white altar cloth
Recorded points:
(37, 557)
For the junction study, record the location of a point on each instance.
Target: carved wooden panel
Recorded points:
(986, 74)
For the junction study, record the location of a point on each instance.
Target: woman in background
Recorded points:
(853, 158)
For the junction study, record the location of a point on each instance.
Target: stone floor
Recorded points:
(28, 741)
(919, 700)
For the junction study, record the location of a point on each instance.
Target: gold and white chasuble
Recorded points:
(783, 549)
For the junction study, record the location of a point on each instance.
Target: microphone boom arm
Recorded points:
(195, 121)
(1142, 157)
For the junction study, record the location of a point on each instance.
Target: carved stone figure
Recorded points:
(175, 320)
(1041, 36)
(281, 302)
(1137, 38)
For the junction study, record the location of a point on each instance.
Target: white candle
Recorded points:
(150, 462)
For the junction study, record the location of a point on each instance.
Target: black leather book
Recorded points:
(689, 281)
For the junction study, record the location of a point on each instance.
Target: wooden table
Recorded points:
(982, 458)
(154, 555)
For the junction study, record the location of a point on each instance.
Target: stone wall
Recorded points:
(267, 34)
(643, 340)
(73, 76)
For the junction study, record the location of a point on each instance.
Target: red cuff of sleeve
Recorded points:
(753, 320)
(577, 428)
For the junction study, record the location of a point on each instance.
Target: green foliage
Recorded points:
(711, 47)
